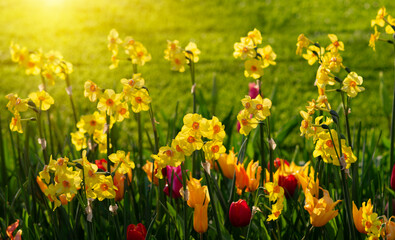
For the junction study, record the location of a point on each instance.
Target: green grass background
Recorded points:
(79, 30)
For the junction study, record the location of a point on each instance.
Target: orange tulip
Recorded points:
(357, 216)
(241, 178)
(227, 163)
(254, 175)
(200, 220)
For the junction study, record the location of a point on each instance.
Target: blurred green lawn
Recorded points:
(79, 29)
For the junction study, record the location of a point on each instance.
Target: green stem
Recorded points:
(108, 119)
(240, 157)
(345, 108)
(210, 191)
(69, 92)
(40, 132)
(140, 138)
(48, 117)
(271, 155)
(263, 160)
(392, 138)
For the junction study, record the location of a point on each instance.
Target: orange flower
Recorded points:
(357, 216)
(241, 178)
(254, 175)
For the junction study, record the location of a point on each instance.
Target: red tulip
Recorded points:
(239, 213)
(393, 178)
(174, 176)
(277, 163)
(136, 232)
(102, 164)
(253, 90)
(289, 183)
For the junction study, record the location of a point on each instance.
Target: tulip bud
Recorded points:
(239, 213)
(393, 178)
(173, 175)
(253, 90)
(136, 232)
(289, 183)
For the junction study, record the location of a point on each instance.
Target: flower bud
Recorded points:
(277, 163)
(393, 178)
(239, 213)
(136, 232)
(253, 90)
(289, 183)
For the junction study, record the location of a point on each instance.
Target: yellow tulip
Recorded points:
(320, 210)
(357, 216)
(227, 163)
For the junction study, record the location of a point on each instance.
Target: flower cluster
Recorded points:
(256, 58)
(178, 56)
(285, 175)
(39, 101)
(189, 139)
(49, 65)
(366, 221)
(135, 50)
(276, 196)
(382, 19)
(255, 110)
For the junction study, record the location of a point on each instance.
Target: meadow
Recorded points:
(79, 30)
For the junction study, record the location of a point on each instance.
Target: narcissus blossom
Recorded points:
(351, 84)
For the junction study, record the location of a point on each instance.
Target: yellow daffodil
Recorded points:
(139, 54)
(33, 65)
(244, 50)
(373, 39)
(261, 107)
(313, 54)
(267, 55)
(17, 104)
(18, 54)
(177, 62)
(78, 139)
(213, 130)
(114, 61)
(131, 85)
(336, 45)
(389, 29)
(105, 188)
(113, 40)
(253, 68)
(323, 77)
(42, 100)
(108, 101)
(192, 52)
(303, 42)
(140, 100)
(255, 35)
(121, 112)
(173, 47)
(246, 122)
(276, 210)
(379, 18)
(351, 84)
(92, 91)
(91, 123)
(167, 156)
(124, 159)
(320, 210)
(333, 61)
(305, 125)
(15, 124)
(213, 149)
(274, 190)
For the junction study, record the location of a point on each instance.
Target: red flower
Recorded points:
(239, 213)
(136, 232)
(277, 163)
(253, 90)
(393, 178)
(289, 183)
(102, 164)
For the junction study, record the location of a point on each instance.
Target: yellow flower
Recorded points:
(177, 62)
(213, 149)
(192, 52)
(305, 177)
(320, 210)
(303, 42)
(92, 91)
(140, 100)
(193, 122)
(108, 101)
(333, 61)
(16, 104)
(101, 139)
(357, 216)
(246, 122)
(105, 188)
(78, 139)
(261, 107)
(198, 194)
(15, 124)
(305, 125)
(120, 158)
(139, 54)
(33, 65)
(244, 49)
(351, 84)
(113, 40)
(323, 77)
(213, 130)
(373, 38)
(18, 54)
(274, 190)
(114, 60)
(254, 175)
(267, 55)
(131, 85)
(147, 168)
(255, 35)
(42, 100)
(313, 54)
(277, 208)
(379, 18)
(91, 123)
(227, 163)
(336, 45)
(173, 47)
(389, 29)
(190, 141)
(253, 68)
(200, 220)
(167, 156)
(121, 112)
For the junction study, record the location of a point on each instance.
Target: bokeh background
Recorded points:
(79, 29)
